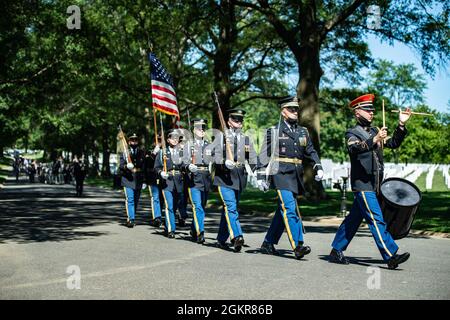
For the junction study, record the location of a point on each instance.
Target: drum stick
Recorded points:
(417, 113)
(384, 121)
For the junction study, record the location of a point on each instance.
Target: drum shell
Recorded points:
(398, 218)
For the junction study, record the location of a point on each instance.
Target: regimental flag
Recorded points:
(163, 94)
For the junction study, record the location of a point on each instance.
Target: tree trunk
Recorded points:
(310, 73)
(106, 172)
(222, 58)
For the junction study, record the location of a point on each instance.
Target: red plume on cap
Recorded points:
(364, 102)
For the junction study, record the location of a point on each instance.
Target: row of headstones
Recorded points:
(334, 172)
(445, 169)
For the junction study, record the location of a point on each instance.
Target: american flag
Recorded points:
(163, 94)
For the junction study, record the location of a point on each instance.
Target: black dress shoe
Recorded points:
(201, 238)
(337, 256)
(193, 235)
(156, 223)
(237, 242)
(222, 245)
(130, 223)
(171, 235)
(300, 251)
(269, 248)
(397, 259)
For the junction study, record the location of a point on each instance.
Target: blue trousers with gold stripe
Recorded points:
(154, 198)
(286, 217)
(170, 199)
(366, 206)
(229, 221)
(131, 202)
(198, 201)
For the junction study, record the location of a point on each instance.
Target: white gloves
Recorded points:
(192, 168)
(319, 175)
(156, 150)
(262, 185)
(404, 115)
(130, 166)
(229, 164)
(164, 175)
(144, 186)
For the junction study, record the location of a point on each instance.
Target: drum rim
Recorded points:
(403, 180)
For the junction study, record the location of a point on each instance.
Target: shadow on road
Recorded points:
(40, 212)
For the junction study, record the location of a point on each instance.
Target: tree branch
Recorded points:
(29, 78)
(209, 54)
(340, 17)
(257, 97)
(251, 72)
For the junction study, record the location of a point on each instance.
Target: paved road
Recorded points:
(45, 229)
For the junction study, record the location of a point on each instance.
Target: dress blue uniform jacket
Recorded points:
(133, 178)
(202, 156)
(292, 144)
(174, 163)
(366, 158)
(151, 176)
(236, 178)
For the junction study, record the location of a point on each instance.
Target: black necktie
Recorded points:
(235, 147)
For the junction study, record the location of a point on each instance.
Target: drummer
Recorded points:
(365, 147)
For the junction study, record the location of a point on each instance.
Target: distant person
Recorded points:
(32, 171)
(54, 172)
(79, 172)
(364, 145)
(60, 170)
(16, 169)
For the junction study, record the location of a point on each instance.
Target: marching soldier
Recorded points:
(151, 178)
(364, 145)
(281, 164)
(182, 204)
(132, 178)
(231, 179)
(198, 178)
(171, 181)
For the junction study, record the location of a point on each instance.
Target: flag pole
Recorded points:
(156, 129)
(384, 121)
(188, 118)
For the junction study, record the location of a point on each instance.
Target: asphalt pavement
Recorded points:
(54, 245)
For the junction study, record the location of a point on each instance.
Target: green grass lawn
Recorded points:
(99, 181)
(34, 156)
(433, 213)
(5, 168)
(256, 202)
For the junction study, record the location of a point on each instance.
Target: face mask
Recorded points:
(291, 121)
(363, 121)
(133, 147)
